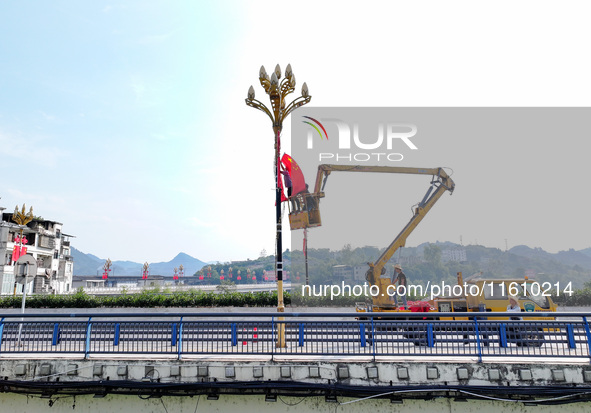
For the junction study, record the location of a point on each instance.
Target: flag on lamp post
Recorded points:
(298, 181)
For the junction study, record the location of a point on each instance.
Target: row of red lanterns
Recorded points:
(239, 277)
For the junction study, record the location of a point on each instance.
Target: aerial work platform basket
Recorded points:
(304, 211)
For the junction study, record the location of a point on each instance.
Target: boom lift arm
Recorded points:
(440, 183)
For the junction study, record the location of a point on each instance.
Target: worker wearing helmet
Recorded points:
(400, 278)
(513, 307)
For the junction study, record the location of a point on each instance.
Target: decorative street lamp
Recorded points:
(107, 268)
(181, 271)
(175, 276)
(21, 219)
(145, 271)
(280, 109)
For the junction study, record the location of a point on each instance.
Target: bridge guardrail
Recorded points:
(331, 334)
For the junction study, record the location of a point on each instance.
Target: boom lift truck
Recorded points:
(308, 215)
(492, 298)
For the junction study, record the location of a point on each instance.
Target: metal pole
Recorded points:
(21, 248)
(279, 254)
(20, 326)
(306, 254)
(277, 91)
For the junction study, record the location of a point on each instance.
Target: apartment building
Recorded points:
(454, 254)
(47, 244)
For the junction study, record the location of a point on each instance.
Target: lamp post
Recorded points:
(106, 269)
(280, 109)
(21, 219)
(145, 272)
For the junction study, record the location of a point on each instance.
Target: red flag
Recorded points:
(280, 184)
(298, 181)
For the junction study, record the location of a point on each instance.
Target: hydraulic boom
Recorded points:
(440, 183)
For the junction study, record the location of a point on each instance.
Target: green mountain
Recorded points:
(88, 264)
(427, 263)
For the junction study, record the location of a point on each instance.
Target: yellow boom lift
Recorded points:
(305, 213)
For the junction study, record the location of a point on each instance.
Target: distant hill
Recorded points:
(88, 264)
(565, 266)
(190, 264)
(570, 257)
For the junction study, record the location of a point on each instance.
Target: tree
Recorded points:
(226, 286)
(432, 254)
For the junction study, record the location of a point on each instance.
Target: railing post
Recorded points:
(272, 336)
(55, 339)
(1, 333)
(503, 334)
(373, 338)
(588, 335)
(430, 338)
(180, 341)
(234, 335)
(116, 334)
(570, 334)
(478, 344)
(88, 332)
(362, 334)
(173, 335)
(301, 335)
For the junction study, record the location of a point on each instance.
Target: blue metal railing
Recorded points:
(475, 335)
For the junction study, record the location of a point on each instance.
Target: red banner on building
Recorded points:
(18, 252)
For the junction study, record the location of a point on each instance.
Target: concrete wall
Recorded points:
(305, 369)
(411, 379)
(256, 404)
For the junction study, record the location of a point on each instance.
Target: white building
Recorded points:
(341, 273)
(455, 254)
(46, 243)
(359, 272)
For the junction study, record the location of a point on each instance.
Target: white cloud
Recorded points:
(46, 116)
(138, 86)
(194, 221)
(111, 7)
(155, 39)
(38, 150)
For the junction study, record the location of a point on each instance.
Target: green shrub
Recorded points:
(155, 298)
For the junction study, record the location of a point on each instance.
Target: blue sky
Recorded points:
(126, 121)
